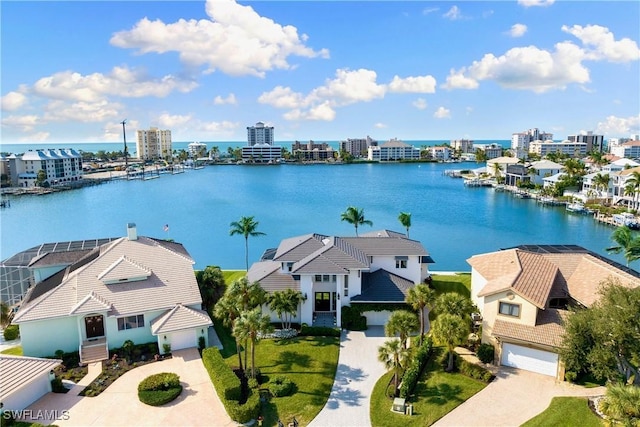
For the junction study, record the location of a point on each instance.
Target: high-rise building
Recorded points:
(464, 145)
(520, 141)
(260, 134)
(154, 144)
(594, 142)
(357, 147)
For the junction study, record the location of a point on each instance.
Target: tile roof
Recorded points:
(387, 245)
(383, 286)
(536, 278)
(178, 318)
(547, 331)
(295, 248)
(270, 278)
(90, 304)
(16, 371)
(171, 281)
(337, 256)
(384, 233)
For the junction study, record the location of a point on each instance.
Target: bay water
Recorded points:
(452, 221)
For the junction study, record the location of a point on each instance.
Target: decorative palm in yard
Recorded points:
(627, 243)
(405, 220)
(227, 312)
(285, 304)
(247, 226)
(393, 354)
(249, 327)
(455, 304)
(419, 297)
(402, 323)
(451, 331)
(355, 216)
(632, 187)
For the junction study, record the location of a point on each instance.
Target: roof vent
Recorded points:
(132, 233)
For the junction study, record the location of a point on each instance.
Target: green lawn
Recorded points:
(566, 411)
(460, 283)
(436, 394)
(231, 275)
(14, 351)
(310, 362)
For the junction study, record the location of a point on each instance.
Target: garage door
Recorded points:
(377, 318)
(529, 359)
(183, 339)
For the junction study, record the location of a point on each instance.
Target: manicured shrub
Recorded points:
(11, 332)
(413, 371)
(485, 353)
(246, 412)
(319, 331)
(159, 389)
(474, 371)
(281, 386)
(57, 386)
(224, 380)
(570, 376)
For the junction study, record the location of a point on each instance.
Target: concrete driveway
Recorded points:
(118, 405)
(357, 373)
(515, 396)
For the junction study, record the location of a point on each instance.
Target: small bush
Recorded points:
(570, 376)
(474, 371)
(11, 332)
(319, 331)
(159, 389)
(246, 412)
(57, 386)
(281, 386)
(166, 348)
(485, 353)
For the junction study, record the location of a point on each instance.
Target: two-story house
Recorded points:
(523, 294)
(331, 272)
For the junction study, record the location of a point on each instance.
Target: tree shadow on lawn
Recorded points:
(288, 358)
(440, 394)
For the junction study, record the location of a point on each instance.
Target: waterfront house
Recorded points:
(393, 150)
(133, 288)
(498, 166)
(440, 153)
(523, 294)
(332, 272)
(620, 194)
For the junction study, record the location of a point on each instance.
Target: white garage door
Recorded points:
(376, 318)
(529, 359)
(183, 339)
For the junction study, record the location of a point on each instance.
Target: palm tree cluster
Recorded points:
(452, 325)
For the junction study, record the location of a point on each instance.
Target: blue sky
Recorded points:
(330, 70)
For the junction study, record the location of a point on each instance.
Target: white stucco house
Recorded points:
(23, 380)
(132, 288)
(331, 272)
(523, 294)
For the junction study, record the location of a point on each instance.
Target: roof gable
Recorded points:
(383, 286)
(296, 248)
(124, 269)
(90, 304)
(178, 318)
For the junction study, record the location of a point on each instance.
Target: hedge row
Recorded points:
(319, 331)
(412, 373)
(228, 387)
(474, 371)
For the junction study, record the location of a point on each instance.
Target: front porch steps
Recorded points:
(94, 351)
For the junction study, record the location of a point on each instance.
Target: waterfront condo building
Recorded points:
(594, 142)
(197, 149)
(462, 145)
(154, 144)
(61, 167)
(520, 141)
(393, 150)
(260, 147)
(440, 153)
(492, 151)
(629, 149)
(571, 149)
(312, 151)
(357, 147)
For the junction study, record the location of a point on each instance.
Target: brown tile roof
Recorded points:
(536, 278)
(547, 331)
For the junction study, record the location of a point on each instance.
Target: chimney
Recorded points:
(132, 233)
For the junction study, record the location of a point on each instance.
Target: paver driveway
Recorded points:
(357, 374)
(118, 405)
(515, 396)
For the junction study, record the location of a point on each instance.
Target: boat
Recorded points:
(576, 207)
(626, 218)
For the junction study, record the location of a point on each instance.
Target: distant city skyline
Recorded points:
(325, 70)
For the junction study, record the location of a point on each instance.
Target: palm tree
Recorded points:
(451, 331)
(250, 326)
(393, 355)
(226, 310)
(455, 304)
(419, 297)
(627, 243)
(601, 182)
(247, 227)
(402, 323)
(622, 404)
(355, 216)
(285, 304)
(405, 220)
(497, 169)
(632, 187)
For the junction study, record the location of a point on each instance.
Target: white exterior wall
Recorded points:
(27, 393)
(528, 313)
(412, 272)
(477, 284)
(306, 311)
(116, 338)
(43, 338)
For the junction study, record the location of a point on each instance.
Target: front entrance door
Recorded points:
(323, 301)
(94, 326)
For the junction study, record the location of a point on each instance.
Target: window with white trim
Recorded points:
(401, 261)
(509, 309)
(130, 322)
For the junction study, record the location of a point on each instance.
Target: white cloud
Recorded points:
(601, 43)
(230, 99)
(121, 81)
(429, 10)
(25, 123)
(530, 3)
(235, 40)
(420, 103)
(457, 80)
(13, 101)
(169, 121)
(323, 112)
(282, 97)
(517, 30)
(61, 111)
(420, 84)
(619, 126)
(349, 87)
(453, 13)
(224, 127)
(36, 137)
(379, 125)
(442, 113)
